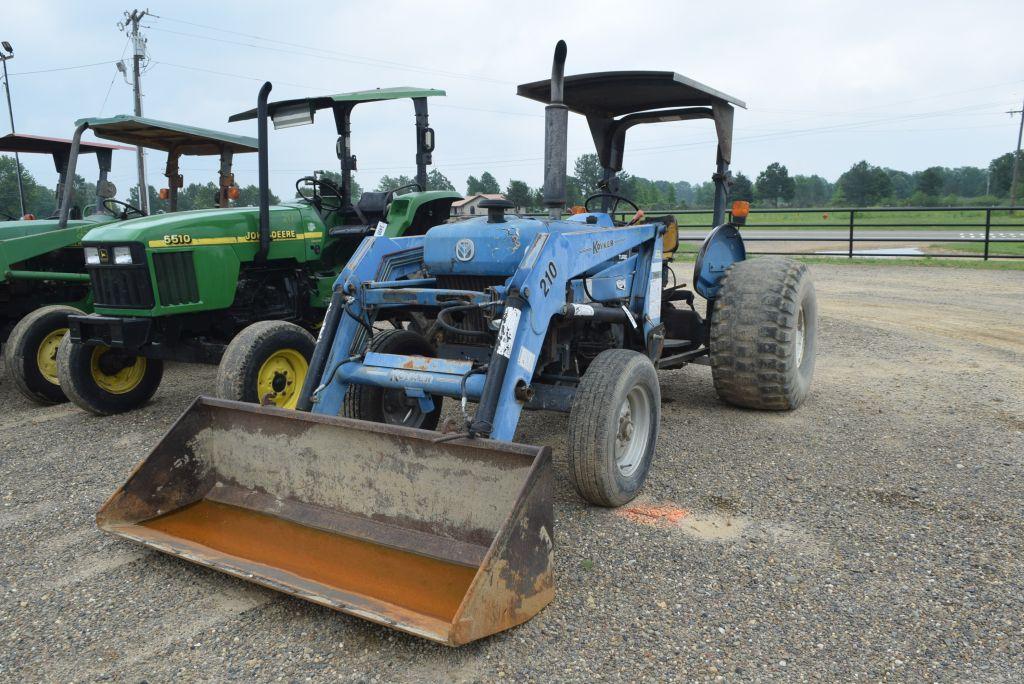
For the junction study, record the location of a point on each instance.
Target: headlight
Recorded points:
(92, 255)
(122, 255)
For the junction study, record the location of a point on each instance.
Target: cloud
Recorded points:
(828, 83)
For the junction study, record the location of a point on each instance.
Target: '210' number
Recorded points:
(548, 278)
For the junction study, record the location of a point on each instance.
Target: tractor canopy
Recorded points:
(173, 138)
(354, 219)
(615, 101)
(59, 150)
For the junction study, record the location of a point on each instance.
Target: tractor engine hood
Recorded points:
(203, 223)
(478, 247)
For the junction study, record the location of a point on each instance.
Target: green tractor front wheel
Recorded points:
(105, 380)
(31, 353)
(266, 364)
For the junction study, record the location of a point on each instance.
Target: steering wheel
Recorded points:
(618, 199)
(7, 217)
(394, 191)
(126, 212)
(316, 197)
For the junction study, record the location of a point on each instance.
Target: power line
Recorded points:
(335, 57)
(67, 68)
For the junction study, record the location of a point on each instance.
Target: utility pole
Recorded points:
(1016, 156)
(131, 25)
(6, 54)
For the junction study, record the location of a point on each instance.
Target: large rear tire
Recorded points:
(392, 406)
(31, 353)
(266, 361)
(105, 380)
(613, 427)
(764, 334)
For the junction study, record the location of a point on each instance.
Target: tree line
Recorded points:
(862, 185)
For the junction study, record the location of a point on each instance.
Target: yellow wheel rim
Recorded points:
(46, 355)
(121, 382)
(280, 378)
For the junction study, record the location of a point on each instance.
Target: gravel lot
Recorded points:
(876, 533)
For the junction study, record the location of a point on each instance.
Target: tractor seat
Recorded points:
(373, 205)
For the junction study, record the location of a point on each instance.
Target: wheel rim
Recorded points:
(633, 431)
(120, 381)
(46, 355)
(400, 409)
(801, 337)
(280, 378)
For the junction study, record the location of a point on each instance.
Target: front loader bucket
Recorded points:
(450, 541)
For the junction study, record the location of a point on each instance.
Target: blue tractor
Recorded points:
(570, 314)
(354, 503)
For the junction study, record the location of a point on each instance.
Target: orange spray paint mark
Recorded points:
(654, 515)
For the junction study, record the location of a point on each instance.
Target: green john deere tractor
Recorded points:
(42, 274)
(249, 284)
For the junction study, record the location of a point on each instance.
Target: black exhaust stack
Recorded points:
(556, 127)
(68, 189)
(264, 172)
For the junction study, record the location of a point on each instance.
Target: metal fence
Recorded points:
(849, 226)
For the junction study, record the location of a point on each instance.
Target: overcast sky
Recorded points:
(901, 84)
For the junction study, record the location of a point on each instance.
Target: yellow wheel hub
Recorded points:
(46, 355)
(121, 382)
(280, 378)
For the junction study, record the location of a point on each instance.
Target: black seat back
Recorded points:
(372, 205)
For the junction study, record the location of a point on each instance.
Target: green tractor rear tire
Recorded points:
(764, 334)
(31, 353)
(105, 381)
(266, 363)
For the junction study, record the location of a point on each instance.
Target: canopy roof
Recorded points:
(607, 94)
(53, 146)
(164, 135)
(317, 103)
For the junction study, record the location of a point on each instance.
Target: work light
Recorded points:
(122, 255)
(92, 256)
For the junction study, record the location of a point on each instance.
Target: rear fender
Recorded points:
(721, 249)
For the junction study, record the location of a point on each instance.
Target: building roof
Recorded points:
(479, 195)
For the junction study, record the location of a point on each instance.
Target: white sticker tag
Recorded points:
(381, 227)
(654, 291)
(582, 310)
(527, 360)
(507, 331)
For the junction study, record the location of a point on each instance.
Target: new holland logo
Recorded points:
(465, 249)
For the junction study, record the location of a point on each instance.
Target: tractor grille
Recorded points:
(469, 282)
(176, 278)
(470, 320)
(121, 286)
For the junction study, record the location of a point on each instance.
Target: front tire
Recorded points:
(764, 334)
(104, 380)
(613, 427)
(392, 406)
(266, 361)
(31, 353)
